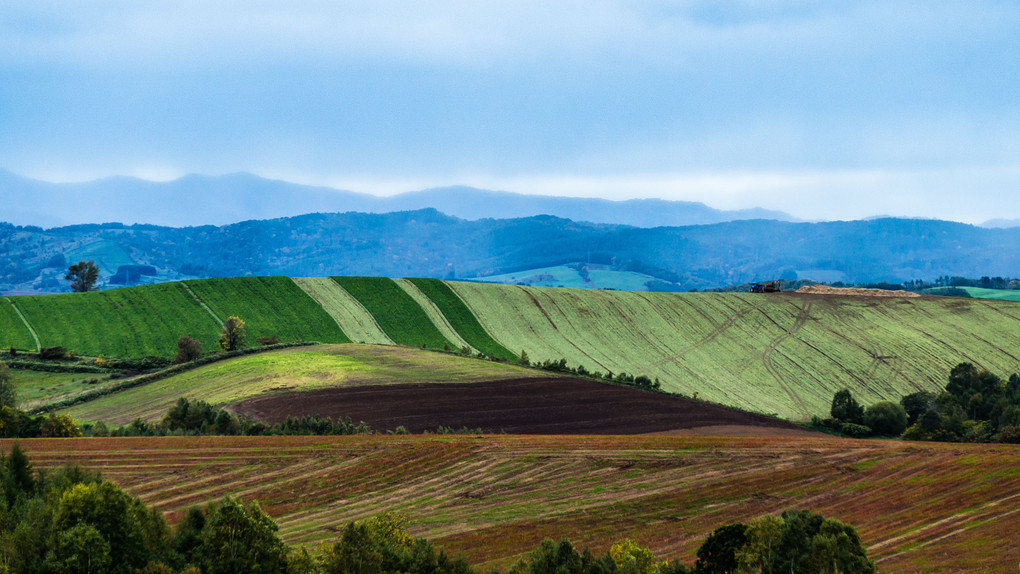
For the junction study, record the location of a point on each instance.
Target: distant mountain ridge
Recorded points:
(195, 200)
(427, 243)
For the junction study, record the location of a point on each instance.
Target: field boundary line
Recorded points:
(202, 303)
(474, 313)
(435, 313)
(350, 300)
(38, 344)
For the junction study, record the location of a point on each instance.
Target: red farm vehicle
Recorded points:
(769, 287)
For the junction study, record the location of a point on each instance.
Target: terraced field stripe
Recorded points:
(31, 331)
(462, 318)
(350, 315)
(202, 303)
(270, 307)
(400, 317)
(126, 322)
(438, 317)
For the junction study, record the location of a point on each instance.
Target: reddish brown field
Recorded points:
(554, 405)
(918, 506)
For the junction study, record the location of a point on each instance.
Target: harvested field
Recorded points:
(854, 291)
(918, 507)
(554, 405)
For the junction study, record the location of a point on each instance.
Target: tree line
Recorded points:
(974, 406)
(72, 521)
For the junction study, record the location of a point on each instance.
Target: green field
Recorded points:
(785, 353)
(129, 322)
(269, 306)
(399, 316)
(998, 294)
(15, 333)
(356, 322)
(299, 368)
(38, 387)
(461, 318)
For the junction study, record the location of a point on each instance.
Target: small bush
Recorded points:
(274, 340)
(855, 430)
(52, 353)
(188, 349)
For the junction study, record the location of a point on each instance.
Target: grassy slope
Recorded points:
(270, 306)
(354, 320)
(13, 332)
(304, 368)
(36, 387)
(1000, 294)
(461, 318)
(399, 316)
(785, 353)
(931, 507)
(129, 322)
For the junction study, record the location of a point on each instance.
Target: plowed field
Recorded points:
(917, 507)
(554, 405)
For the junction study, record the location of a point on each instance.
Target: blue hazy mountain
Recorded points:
(204, 200)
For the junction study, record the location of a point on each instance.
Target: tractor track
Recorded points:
(770, 350)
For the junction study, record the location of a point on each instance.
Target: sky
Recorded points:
(825, 110)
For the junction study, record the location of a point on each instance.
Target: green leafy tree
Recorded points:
(111, 512)
(718, 554)
(59, 426)
(916, 404)
(80, 549)
(845, 408)
(758, 552)
(233, 334)
(241, 538)
(886, 418)
(83, 276)
(8, 392)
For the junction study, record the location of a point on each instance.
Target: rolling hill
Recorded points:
(784, 353)
(918, 507)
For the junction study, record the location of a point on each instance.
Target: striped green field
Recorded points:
(400, 317)
(15, 332)
(129, 322)
(355, 321)
(462, 318)
(783, 353)
(295, 369)
(269, 306)
(435, 315)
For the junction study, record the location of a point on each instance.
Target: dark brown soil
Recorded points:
(554, 405)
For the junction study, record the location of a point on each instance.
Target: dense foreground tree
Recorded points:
(83, 276)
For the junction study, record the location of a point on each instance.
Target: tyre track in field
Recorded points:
(770, 350)
(718, 330)
(556, 329)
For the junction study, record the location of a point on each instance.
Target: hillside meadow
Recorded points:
(918, 507)
(782, 353)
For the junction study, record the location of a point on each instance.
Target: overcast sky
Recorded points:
(826, 110)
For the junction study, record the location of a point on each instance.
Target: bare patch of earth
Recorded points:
(552, 405)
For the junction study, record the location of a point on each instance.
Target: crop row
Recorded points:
(461, 318)
(400, 317)
(15, 333)
(491, 498)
